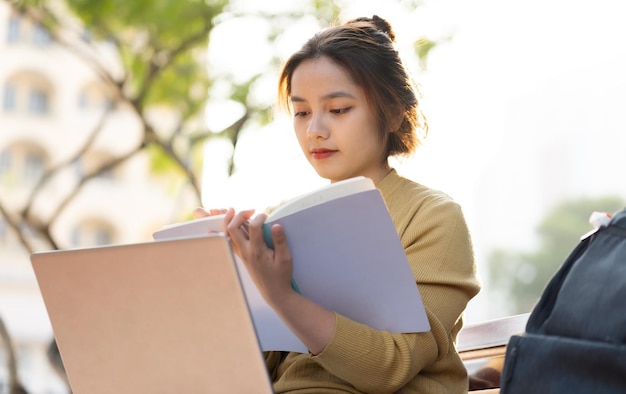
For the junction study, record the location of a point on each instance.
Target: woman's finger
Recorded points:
(237, 224)
(255, 229)
(200, 213)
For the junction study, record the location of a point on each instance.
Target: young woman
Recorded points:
(354, 105)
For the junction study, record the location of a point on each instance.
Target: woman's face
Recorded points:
(334, 123)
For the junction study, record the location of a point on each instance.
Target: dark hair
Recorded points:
(364, 47)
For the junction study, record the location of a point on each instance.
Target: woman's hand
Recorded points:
(271, 270)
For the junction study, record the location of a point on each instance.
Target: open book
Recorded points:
(347, 257)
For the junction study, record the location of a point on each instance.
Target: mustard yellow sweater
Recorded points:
(359, 359)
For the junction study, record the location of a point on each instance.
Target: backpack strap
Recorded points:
(544, 307)
(603, 222)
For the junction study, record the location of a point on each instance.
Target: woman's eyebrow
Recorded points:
(329, 96)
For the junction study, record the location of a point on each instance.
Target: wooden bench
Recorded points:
(482, 347)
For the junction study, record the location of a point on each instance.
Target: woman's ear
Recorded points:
(396, 120)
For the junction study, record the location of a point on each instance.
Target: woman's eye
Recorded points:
(300, 113)
(340, 111)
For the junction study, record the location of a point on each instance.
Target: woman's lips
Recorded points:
(319, 154)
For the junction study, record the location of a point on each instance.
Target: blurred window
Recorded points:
(9, 100)
(83, 101)
(94, 97)
(102, 237)
(5, 164)
(41, 35)
(33, 167)
(4, 231)
(91, 234)
(87, 164)
(38, 103)
(21, 166)
(13, 32)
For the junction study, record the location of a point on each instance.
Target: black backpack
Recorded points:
(575, 337)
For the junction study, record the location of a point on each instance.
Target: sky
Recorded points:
(525, 102)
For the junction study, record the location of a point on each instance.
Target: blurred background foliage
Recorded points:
(521, 276)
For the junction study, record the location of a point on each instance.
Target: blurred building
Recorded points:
(51, 104)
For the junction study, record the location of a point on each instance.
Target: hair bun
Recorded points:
(384, 26)
(379, 23)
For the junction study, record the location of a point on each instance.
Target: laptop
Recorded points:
(156, 317)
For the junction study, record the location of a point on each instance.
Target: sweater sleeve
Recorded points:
(437, 243)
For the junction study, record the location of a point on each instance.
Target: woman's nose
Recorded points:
(317, 128)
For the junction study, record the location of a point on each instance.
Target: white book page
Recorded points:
(319, 196)
(213, 223)
(205, 225)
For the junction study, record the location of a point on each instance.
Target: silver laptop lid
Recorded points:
(156, 317)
